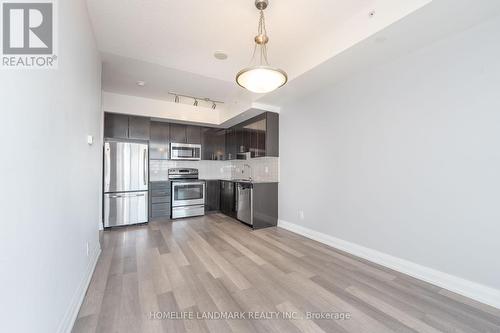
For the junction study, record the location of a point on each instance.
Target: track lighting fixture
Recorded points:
(196, 100)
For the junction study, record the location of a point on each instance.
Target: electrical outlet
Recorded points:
(301, 214)
(88, 249)
(266, 169)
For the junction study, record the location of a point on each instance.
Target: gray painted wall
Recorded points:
(405, 158)
(51, 180)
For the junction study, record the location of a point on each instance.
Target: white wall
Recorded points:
(148, 107)
(404, 158)
(50, 179)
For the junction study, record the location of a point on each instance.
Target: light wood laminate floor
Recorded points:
(213, 264)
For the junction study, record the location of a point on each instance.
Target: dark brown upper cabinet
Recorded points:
(240, 139)
(115, 126)
(120, 126)
(257, 130)
(159, 144)
(193, 134)
(272, 134)
(138, 128)
(231, 144)
(258, 135)
(213, 143)
(178, 133)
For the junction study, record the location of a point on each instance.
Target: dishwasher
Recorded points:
(244, 202)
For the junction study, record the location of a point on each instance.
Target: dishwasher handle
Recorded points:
(237, 197)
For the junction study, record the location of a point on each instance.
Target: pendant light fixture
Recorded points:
(261, 78)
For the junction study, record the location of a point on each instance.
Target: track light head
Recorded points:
(195, 102)
(214, 106)
(176, 99)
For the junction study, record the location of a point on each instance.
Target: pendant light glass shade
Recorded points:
(261, 79)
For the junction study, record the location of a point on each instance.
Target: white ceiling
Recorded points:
(426, 26)
(170, 44)
(121, 74)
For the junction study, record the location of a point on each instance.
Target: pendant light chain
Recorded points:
(262, 31)
(259, 77)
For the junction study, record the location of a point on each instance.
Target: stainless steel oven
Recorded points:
(188, 193)
(185, 151)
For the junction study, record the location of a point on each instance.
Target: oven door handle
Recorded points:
(187, 183)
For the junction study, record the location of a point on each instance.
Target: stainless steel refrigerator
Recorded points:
(125, 183)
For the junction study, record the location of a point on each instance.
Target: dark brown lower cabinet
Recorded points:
(227, 198)
(159, 199)
(212, 201)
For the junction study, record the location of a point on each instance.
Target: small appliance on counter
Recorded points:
(188, 193)
(125, 183)
(244, 156)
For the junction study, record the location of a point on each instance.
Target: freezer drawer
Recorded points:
(125, 208)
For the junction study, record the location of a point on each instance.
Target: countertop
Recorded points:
(223, 179)
(244, 181)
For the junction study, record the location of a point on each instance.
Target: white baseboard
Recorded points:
(69, 319)
(473, 290)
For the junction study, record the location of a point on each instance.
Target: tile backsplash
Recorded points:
(263, 169)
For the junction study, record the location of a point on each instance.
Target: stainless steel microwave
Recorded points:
(185, 151)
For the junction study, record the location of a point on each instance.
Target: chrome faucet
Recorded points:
(250, 168)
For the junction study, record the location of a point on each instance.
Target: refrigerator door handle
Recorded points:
(144, 173)
(107, 157)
